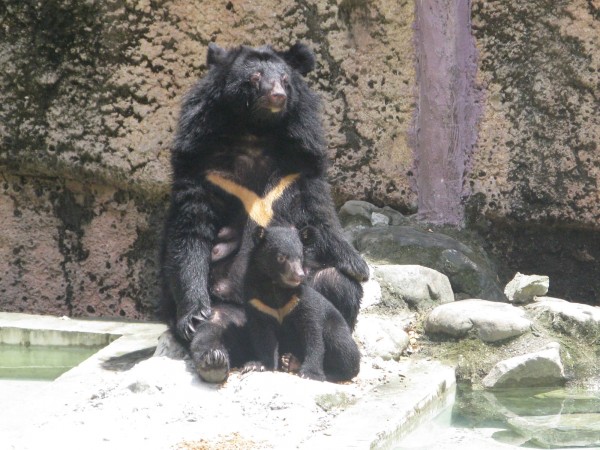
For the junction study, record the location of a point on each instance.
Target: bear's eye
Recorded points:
(285, 80)
(255, 78)
(280, 258)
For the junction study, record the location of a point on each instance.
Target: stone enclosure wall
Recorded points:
(503, 139)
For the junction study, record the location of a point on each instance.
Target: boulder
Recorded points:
(469, 271)
(414, 287)
(382, 337)
(357, 213)
(543, 368)
(574, 319)
(371, 291)
(491, 321)
(524, 288)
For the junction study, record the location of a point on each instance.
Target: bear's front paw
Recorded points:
(187, 325)
(355, 268)
(213, 366)
(253, 366)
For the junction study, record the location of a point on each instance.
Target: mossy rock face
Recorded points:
(89, 100)
(93, 88)
(534, 175)
(537, 157)
(72, 248)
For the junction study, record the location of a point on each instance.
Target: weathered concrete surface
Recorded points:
(159, 403)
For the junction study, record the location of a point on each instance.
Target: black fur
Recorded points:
(254, 130)
(313, 330)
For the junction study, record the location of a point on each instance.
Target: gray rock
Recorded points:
(524, 288)
(371, 291)
(356, 213)
(415, 287)
(492, 321)
(574, 319)
(382, 336)
(360, 213)
(379, 220)
(469, 271)
(543, 368)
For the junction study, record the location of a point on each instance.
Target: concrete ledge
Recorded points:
(119, 338)
(160, 402)
(391, 411)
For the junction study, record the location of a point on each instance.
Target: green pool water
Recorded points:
(40, 362)
(513, 418)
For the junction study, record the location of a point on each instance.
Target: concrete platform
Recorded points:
(106, 402)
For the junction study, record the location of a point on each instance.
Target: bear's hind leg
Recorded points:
(343, 292)
(342, 356)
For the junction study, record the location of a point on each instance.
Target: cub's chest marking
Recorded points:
(278, 313)
(260, 209)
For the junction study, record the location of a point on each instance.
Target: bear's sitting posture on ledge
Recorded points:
(249, 150)
(286, 315)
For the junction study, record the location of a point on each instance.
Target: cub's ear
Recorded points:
(259, 234)
(215, 54)
(308, 235)
(299, 57)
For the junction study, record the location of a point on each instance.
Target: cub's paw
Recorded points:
(311, 374)
(253, 366)
(289, 363)
(188, 324)
(213, 366)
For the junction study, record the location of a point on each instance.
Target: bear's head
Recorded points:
(261, 85)
(278, 254)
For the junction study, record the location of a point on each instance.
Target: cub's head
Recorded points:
(261, 85)
(278, 254)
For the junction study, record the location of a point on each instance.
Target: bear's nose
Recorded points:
(277, 96)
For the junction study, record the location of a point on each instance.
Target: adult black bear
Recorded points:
(285, 315)
(249, 149)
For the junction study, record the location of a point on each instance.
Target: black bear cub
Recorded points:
(285, 315)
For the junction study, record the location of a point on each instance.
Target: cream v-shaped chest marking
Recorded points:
(277, 313)
(260, 209)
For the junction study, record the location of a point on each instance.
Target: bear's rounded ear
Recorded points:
(308, 235)
(299, 57)
(259, 234)
(215, 54)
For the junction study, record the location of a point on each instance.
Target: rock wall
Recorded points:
(535, 174)
(537, 158)
(90, 92)
(89, 98)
